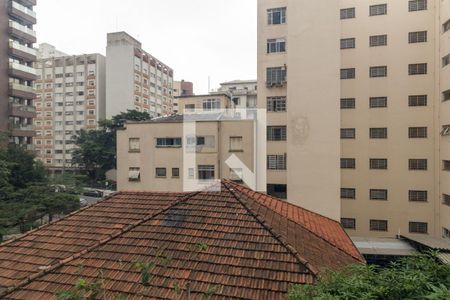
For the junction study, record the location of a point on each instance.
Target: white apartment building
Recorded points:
(135, 79)
(70, 97)
(242, 92)
(375, 75)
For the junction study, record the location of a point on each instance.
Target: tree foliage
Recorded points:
(418, 277)
(96, 149)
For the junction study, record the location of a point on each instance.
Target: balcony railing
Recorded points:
(21, 87)
(25, 29)
(23, 68)
(23, 9)
(17, 46)
(20, 126)
(22, 107)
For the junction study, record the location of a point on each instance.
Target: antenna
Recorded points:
(117, 23)
(209, 79)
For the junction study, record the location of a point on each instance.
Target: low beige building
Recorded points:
(169, 154)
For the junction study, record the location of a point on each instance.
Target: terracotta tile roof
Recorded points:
(236, 242)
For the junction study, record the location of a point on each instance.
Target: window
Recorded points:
(276, 104)
(378, 133)
(417, 164)
(211, 104)
(377, 102)
(446, 165)
(446, 95)
(168, 142)
(416, 5)
(191, 173)
(348, 223)
(417, 196)
(348, 193)
(378, 194)
(348, 43)
(276, 133)
(446, 60)
(277, 190)
(133, 144)
(380, 71)
(378, 40)
(348, 133)
(417, 100)
(161, 172)
(236, 144)
(446, 199)
(134, 174)
(276, 76)
(348, 13)
(445, 130)
(189, 107)
(349, 73)
(379, 9)
(417, 37)
(205, 172)
(446, 26)
(175, 172)
(276, 45)
(276, 16)
(418, 227)
(378, 163)
(417, 132)
(348, 163)
(378, 225)
(445, 233)
(347, 103)
(276, 162)
(417, 69)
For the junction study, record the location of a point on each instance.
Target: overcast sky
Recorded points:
(196, 38)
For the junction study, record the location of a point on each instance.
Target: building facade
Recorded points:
(392, 91)
(46, 50)
(135, 79)
(204, 103)
(70, 97)
(17, 73)
(181, 88)
(242, 92)
(161, 155)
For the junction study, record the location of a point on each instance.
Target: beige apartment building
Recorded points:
(17, 73)
(135, 79)
(165, 155)
(204, 103)
(375, 74)
(242, 92)
(70, 97)
(181, 88)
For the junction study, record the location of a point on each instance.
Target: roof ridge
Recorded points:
(359, 258)
(277, 236)
(93, 247)
(58, 220)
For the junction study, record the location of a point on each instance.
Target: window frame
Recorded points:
(164, 173)
(378, 9)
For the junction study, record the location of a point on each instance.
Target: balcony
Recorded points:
(27, 2)
(21, 91)
(22, 32)
(22, 71)
(23, 13)
(22, 110)
(22, 52)
(20, 129)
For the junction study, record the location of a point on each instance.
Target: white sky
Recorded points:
(196, 38)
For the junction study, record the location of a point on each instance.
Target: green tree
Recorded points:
(96, 149)
(418, 277)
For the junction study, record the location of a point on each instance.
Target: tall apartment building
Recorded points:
(70, 97)
(16, 70)
(181, 88)
(135, 79)
(393, 90)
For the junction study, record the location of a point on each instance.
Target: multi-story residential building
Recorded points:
(46, 50)
(181, 88)
(135, 79)
(16, 70)
(70, 97)
(242, 92)
(392, 87)
(205, 103)
(160, 155)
